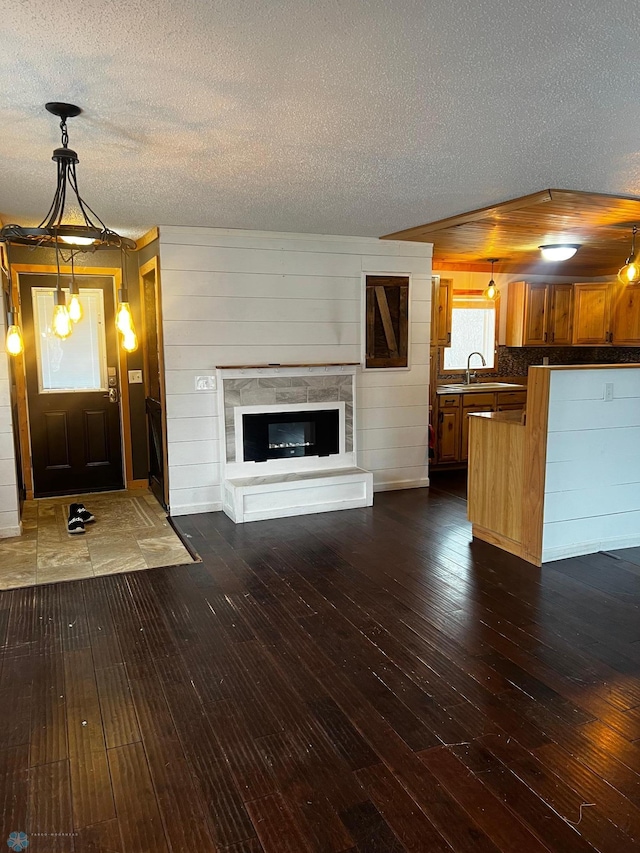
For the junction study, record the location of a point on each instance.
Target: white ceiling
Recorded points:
(328, 116)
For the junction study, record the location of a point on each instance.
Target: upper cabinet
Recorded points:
(539, 314)
(589, 314)
(441, 312)
(625, 309)
(592, 314)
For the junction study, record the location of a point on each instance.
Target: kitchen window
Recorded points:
(473, 329)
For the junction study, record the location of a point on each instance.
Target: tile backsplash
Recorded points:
(516, 361)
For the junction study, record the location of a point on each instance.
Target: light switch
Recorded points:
(608, 391)
(135, 377)
(205, 383)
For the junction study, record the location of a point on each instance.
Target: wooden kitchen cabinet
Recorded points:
(441, 312)
(448, 444)
(592, 314)
(452, 435)
(539, 314)
(625, 307)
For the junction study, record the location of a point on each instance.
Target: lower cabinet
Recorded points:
(452, 434)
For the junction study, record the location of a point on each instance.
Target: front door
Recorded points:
(72, 390)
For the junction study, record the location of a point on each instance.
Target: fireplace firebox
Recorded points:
(284, 435)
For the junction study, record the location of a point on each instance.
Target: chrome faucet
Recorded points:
(468, 372)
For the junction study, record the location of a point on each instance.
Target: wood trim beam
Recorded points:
(147, 238)
(418, 232)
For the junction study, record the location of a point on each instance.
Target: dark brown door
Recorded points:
(72, 390)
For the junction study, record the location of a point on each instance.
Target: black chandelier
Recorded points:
(91, 233)
(88, 235)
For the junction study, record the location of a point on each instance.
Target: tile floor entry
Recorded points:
(131, 532)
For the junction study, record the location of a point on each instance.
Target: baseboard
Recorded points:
(395, 485)
(581, 549)
(8, 532)
(194, 509)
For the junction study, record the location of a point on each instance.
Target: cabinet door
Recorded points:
(626, 315)
(441, 313)
(591, 314)
(560, 316)
(464, 439)
(449, 435)
(535, 325)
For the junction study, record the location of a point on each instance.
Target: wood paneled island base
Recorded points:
(563, 480)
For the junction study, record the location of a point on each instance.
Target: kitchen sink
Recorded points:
(483, 386)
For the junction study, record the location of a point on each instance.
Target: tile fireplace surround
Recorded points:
(299, 485)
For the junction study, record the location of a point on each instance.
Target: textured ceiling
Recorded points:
(329, 116)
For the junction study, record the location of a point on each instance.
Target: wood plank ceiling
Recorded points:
(513, 230)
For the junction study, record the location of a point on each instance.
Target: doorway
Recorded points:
(76, 401)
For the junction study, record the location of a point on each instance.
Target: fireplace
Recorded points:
(287, 443)
(283, 435)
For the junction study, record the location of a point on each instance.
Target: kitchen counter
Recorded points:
(565, 482)
(479, 387)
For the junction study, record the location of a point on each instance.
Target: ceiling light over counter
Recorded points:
(558, 251)
(491, 290)
(630, 272)
(88, 235)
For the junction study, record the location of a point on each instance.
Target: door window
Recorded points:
(78, 363)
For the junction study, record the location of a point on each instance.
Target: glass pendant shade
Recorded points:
(630, 272)
(491, 290)
(61, 320)
(124, 320)
(75, 308)
(15, 343)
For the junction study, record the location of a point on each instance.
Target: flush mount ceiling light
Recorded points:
(491, 290)
(630, 272)
(558, 251)
(83, 232)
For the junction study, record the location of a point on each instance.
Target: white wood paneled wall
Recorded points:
(242, 297)
(9, 504)
(592, 487)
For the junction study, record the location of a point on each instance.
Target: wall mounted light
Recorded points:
(491, 290)
(630, 272)
(558, 251)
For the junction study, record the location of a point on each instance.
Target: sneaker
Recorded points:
(87, 516)
(74, 523)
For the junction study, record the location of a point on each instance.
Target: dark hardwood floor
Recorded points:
(359, 681)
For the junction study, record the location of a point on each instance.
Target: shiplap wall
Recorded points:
(241, 297)
(592, 489)
(9, 504)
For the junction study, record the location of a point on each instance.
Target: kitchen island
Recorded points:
(563, 480)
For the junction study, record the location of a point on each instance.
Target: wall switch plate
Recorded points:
(608, 391)
(135, 377)
(205, 383)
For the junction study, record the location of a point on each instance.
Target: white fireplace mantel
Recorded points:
(298, 485)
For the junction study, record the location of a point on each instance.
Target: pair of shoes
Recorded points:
(79, 515)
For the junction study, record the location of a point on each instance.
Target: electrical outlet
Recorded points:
(205, 383)
(608, 391)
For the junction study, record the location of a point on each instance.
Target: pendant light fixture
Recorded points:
(75, 307)
(491, 290)
(124, 318)
(55, 231)
(630, 272)
(61, 322)
(14, 343)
